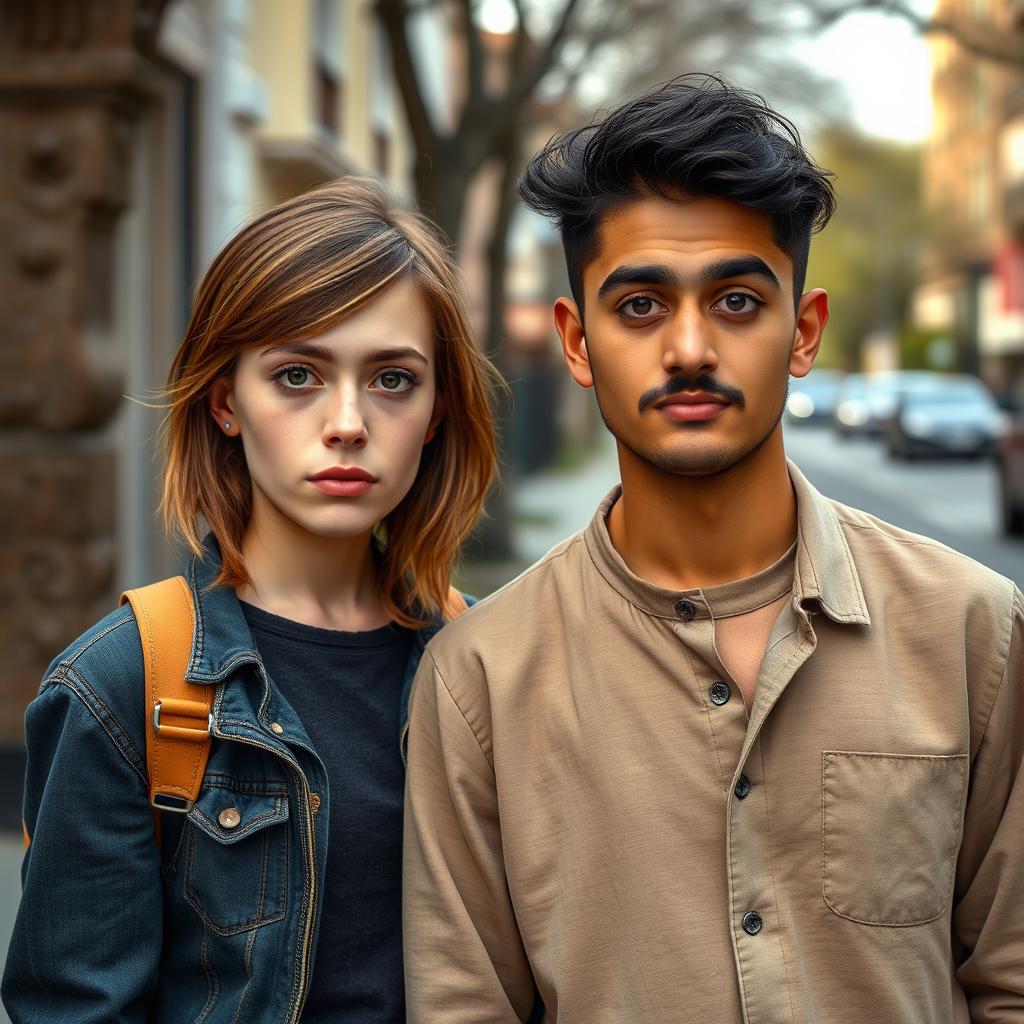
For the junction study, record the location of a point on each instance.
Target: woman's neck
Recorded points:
(327, 582)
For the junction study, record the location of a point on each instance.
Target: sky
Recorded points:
(883, 66)
(880, 61)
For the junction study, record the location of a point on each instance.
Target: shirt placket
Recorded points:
(761, 967)
(760, 961)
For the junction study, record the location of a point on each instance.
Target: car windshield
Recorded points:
(952, 394)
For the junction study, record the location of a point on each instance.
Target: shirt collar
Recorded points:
(824, 574)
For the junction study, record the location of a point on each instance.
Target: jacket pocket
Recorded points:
(891, 826)
(236, 871)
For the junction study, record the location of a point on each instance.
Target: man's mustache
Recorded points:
(684, 382)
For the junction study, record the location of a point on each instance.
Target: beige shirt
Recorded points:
(574, 824)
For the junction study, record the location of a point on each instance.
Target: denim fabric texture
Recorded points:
(219, 923)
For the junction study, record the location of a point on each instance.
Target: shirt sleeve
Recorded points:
(464, 958)
(87, 938)
(988, 913)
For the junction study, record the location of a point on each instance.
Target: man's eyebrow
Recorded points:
(637, 273)
(740, 266)
(324, 354)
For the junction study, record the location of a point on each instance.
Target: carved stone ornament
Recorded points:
(72, 83)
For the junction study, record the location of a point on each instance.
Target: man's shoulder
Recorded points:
(510, 610)
(913, 560)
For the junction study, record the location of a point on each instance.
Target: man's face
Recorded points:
(690, 333)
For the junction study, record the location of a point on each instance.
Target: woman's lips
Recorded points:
(338, 488)
(343, 482)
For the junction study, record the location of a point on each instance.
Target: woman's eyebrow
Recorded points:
(301, 348)
(324, 354)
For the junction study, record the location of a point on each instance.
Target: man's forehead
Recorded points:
(687, 233)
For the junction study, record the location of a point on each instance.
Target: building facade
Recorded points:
(972, 290)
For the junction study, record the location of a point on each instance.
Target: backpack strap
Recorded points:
(178, 720)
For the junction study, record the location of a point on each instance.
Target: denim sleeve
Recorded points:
(86, 943)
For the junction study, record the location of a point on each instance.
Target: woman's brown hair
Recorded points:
(295, 272)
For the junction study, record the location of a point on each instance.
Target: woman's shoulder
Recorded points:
(104, 669)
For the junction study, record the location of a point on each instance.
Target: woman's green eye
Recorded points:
(297, 376)
(391, 381)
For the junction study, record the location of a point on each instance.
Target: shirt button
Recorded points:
(752, 922)
(719, 693)
(742, 787)
(277, 727)
(229, 818)
(685, 609)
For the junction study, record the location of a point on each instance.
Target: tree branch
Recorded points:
(474, 52)
(985, 43)
(394, 15)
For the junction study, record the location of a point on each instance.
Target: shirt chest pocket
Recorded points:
(891, 826)
(236, 858)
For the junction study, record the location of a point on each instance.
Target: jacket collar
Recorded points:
(824, 573)
(221, 641)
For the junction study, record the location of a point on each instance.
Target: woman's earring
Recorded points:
(227, 425)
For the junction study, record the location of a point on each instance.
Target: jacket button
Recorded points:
(685, 609)
(314, 802)
(743, 787)
(229, 818)
(277, 727)
(719, 693)
(752, 922)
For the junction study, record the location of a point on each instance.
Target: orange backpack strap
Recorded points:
(178, 720)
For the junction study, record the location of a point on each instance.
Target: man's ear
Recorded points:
(221, 402)
(440, 408)
(811, 317)
(569, 325)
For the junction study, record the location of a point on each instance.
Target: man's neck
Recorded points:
(682, 533)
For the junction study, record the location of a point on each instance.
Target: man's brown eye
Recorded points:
(737, 302)
(641, 305)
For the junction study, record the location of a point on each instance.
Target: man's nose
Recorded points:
(688, 345)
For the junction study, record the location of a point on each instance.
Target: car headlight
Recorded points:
(851, 414)
(800, 405)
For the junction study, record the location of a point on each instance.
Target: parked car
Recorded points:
(1010, 457)
(812, 399)
(955, 415)
(867, 401)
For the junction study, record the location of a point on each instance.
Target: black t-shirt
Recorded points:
(346, 689)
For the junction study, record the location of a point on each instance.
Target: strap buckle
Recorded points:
(183, 709)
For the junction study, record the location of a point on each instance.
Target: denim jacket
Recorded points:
(216, 925)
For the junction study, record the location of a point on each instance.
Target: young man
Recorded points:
(734, 752)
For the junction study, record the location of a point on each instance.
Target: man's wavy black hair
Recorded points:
(697, 135)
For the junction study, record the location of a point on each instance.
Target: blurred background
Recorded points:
(137, 135)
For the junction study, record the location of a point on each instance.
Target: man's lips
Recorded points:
(343, 481)
(692, 406)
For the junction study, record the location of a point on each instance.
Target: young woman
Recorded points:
(330, 424)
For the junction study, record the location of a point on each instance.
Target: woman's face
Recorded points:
(333, 426)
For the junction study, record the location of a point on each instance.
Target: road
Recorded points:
(952, 500)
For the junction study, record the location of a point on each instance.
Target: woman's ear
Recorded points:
(569, 325)
(221, 403)
(440, 408)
